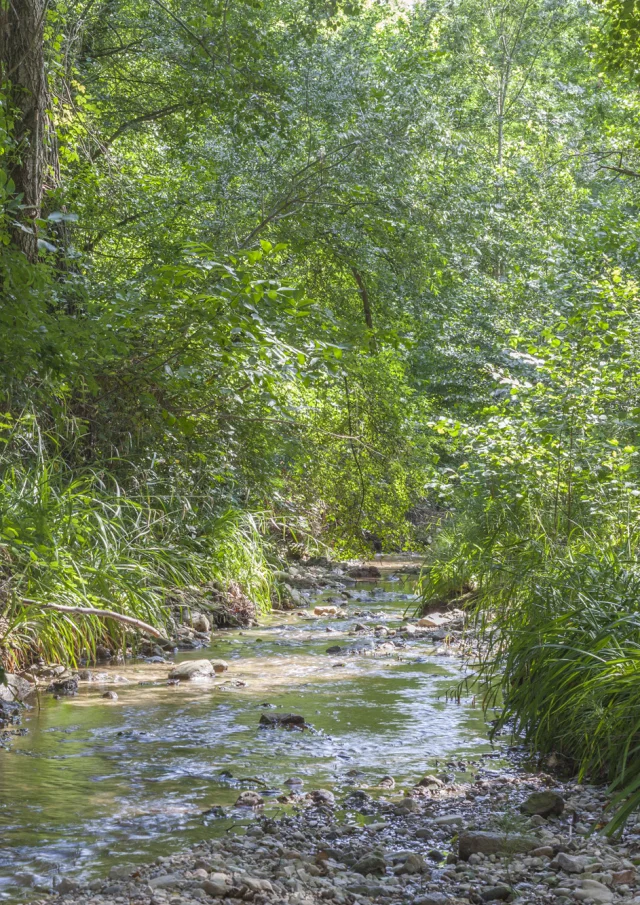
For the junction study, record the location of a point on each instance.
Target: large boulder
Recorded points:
(16, 689)
(193, 669)
(484, 843)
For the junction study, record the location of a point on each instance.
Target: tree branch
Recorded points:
(101, 614)
(622, 170)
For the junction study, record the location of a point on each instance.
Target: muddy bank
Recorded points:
(506, 835)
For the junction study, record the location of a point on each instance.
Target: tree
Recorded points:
(23, 84)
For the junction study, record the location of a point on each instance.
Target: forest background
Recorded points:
(329, 277)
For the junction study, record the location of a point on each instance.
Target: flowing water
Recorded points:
(95, 782)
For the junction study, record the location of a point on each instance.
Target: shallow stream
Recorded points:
(95, 782)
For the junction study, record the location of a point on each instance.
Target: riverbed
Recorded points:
(93, 780)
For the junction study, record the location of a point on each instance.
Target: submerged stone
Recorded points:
(282, 720)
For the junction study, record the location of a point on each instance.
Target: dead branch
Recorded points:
(101, 614)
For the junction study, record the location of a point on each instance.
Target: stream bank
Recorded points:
(150, 787)
(441, 843)
(159, 764)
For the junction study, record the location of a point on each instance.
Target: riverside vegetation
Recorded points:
(317, 278)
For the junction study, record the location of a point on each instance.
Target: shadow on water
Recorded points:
(95, 782)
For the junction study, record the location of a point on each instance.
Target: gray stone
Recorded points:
(413, 864)
(407, 806)
(67, 885)
(301, 582)
(372, 863)
(120, 871)
(596, 891)
(364, 572)
(218, 884)
(570, 864)
(449, 820)
(282, 720)
(192, 669)
(25, 879)
(545, 851)
(16, 689)
(485, 843)
(322, 797)
(166, 881)
(495, 894)
(434, 898)
(249, 799)
(201, 622)
(294, 596)
(544, 804)
(429, 782)
(375, 890)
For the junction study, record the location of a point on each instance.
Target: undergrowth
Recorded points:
(79, 537)
(543, 522)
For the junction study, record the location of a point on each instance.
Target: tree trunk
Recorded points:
(364, 295)
(24, 83)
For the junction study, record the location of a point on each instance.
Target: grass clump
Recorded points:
(559, 648)
(79, 537)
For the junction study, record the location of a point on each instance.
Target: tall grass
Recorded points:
(78, 537)
(559, 629)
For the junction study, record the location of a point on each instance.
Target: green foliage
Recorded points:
(543, 522)
(619, 40)
(75, 537)
(323, 266)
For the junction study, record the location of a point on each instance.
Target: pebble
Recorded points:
(503, 835)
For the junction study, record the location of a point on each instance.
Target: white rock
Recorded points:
(434, 620)
(449, 820)
(192, 669)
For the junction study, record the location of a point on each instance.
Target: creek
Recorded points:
(93, 782)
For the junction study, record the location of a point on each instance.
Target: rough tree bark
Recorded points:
(24, 84)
